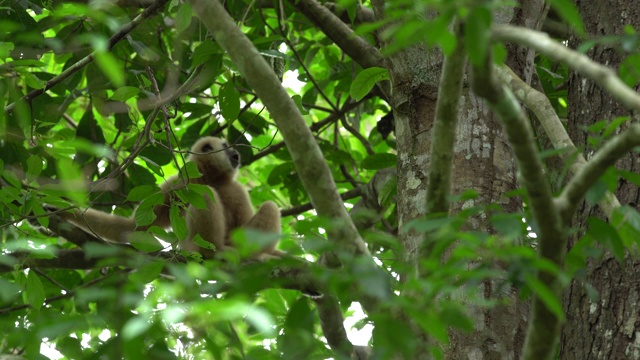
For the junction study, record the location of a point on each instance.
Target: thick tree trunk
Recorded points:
(483, 161)
(609, 327)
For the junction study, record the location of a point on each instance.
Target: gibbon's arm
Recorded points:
(108, 227)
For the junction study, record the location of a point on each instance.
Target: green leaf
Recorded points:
(70, 347)
(607, 235)
(9, 289)
(366, 80)
(190, 169)
(34, 291)
(110, 67)
(569, 13)
(183, 17)
(5, 50)
(545, 294)
(596, 192)
(388, 192)
(147, 272)
(145, 242)
(453, 316)
(629, 70)
(204, 52)
(627, 221)
(379, 161)
(72, 181)
(229, 101)
(178, 222)
(144, 213)
(476, 34)
(12, 179)
(194, 195)
(34, 167)
(509, 225)
(142, 192)
(125, 93)
(136, 326)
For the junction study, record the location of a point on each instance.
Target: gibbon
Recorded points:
(229, 209)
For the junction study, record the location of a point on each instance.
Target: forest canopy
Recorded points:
(434, 177)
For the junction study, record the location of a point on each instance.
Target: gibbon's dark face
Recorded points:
(215, 158)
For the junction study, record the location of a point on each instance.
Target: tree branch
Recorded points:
(353, 45)
(113, 40)
(544, 324)
(600, 74)
(307, 157)
(607, 156)
(444, 129)
(332, 323)
(540, 105)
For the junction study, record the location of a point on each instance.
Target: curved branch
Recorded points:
(544, 324)
(607, 156)
(600, 74)
(307, 157)
(113, 40)
(540, 105)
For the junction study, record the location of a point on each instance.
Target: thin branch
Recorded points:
(113, 40)
(62, 296)
(145, 138)
(353, 193)
(607, 156)
(600, 74)
(314, 127)
(357, 135)
(540, 105)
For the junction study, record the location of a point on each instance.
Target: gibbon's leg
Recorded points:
(267, 219)
(109, 227)
(209, 223)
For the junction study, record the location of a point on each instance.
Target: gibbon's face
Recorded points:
(215, 159)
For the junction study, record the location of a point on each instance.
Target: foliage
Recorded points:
(111, 114)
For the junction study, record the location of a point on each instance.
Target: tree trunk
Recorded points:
(483, 161)
(609, 327)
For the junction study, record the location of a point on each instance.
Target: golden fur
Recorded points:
(229, 209)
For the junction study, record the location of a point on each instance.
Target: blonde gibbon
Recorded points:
(229, 209)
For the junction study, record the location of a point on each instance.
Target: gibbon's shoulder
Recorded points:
(215, 159)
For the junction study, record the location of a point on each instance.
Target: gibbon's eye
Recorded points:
(225, 145)
(207, 148)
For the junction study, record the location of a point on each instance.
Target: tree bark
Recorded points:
(483, 161)
(606, 327)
